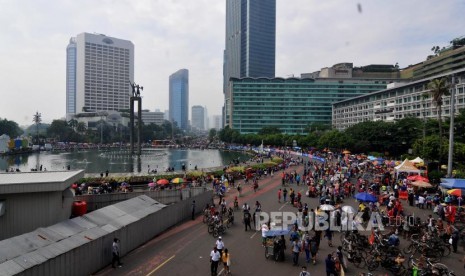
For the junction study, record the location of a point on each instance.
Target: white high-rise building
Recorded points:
(216, 122)
(98, 71)
(198, 117)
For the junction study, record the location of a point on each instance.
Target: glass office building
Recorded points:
(179, 98)
(289, 104)
(250, 39)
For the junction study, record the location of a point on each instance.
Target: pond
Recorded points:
(120, 160)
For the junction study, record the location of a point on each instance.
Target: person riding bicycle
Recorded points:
(236, 203)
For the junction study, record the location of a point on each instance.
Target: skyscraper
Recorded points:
(71, 78)
(198, 117)
(179, 98)
(98, 71)
(250, 40)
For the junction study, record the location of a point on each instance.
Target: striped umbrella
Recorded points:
(177, 180)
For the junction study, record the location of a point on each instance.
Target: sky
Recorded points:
(173, 34)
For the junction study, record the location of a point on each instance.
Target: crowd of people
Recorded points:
(341, 177)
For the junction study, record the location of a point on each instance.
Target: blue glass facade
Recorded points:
(250, 39)
(179, 98)
(289, 104)
(71, 78)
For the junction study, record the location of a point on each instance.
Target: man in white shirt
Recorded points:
(220, 245)
(421, 201)
(214, 260)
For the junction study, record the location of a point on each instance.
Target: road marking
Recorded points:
(162, 264)
(221, 271)
(254, 234)
(282, 206)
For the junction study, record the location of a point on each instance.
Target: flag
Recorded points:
(371, 239)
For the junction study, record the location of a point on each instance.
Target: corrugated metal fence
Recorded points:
(82, 245)
(166, 197)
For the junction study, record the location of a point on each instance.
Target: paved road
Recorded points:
(185, 249)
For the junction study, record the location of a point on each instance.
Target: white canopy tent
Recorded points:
(408, 167)
(417, 160)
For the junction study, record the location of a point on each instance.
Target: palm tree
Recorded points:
(73, 123)
(438, 89)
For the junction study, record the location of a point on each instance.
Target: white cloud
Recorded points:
(174, 34)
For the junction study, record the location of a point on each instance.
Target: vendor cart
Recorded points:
(275, 244)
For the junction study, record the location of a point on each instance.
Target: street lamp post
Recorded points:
(451, 129)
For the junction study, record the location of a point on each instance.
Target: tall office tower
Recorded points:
(198, 117)
(71, 78)
(250, 41)
(179, 98)
(98, 71)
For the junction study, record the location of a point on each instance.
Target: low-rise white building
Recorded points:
(397, 102)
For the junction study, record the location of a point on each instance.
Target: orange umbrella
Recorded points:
(455, 192)
(163, 182)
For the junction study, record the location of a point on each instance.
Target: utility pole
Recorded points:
(451, 128)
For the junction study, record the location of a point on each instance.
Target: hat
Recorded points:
(219, 237)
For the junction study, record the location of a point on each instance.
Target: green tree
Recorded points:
(334, 139)
(212, 134)
(73, 123)
(60, 130)
(81, 127)
(10, 128)
(429, 148)
(438, 89)
(459, 124)
(266, 130)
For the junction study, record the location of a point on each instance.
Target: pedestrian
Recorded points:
(220, 245)
(330, 266)
(296, 247)
(279, 195)
(116, 253)
(247, 220)
(226, 259)
(306, 246)
(193, 210)
(329, 236)
(455, 240)
(285, 195)
(304, 272)
(106, 173)
(214, 259)
(314, 245)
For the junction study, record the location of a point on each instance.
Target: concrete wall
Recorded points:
(95, 255)
(166, 197)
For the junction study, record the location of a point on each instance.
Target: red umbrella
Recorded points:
(163, 182)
